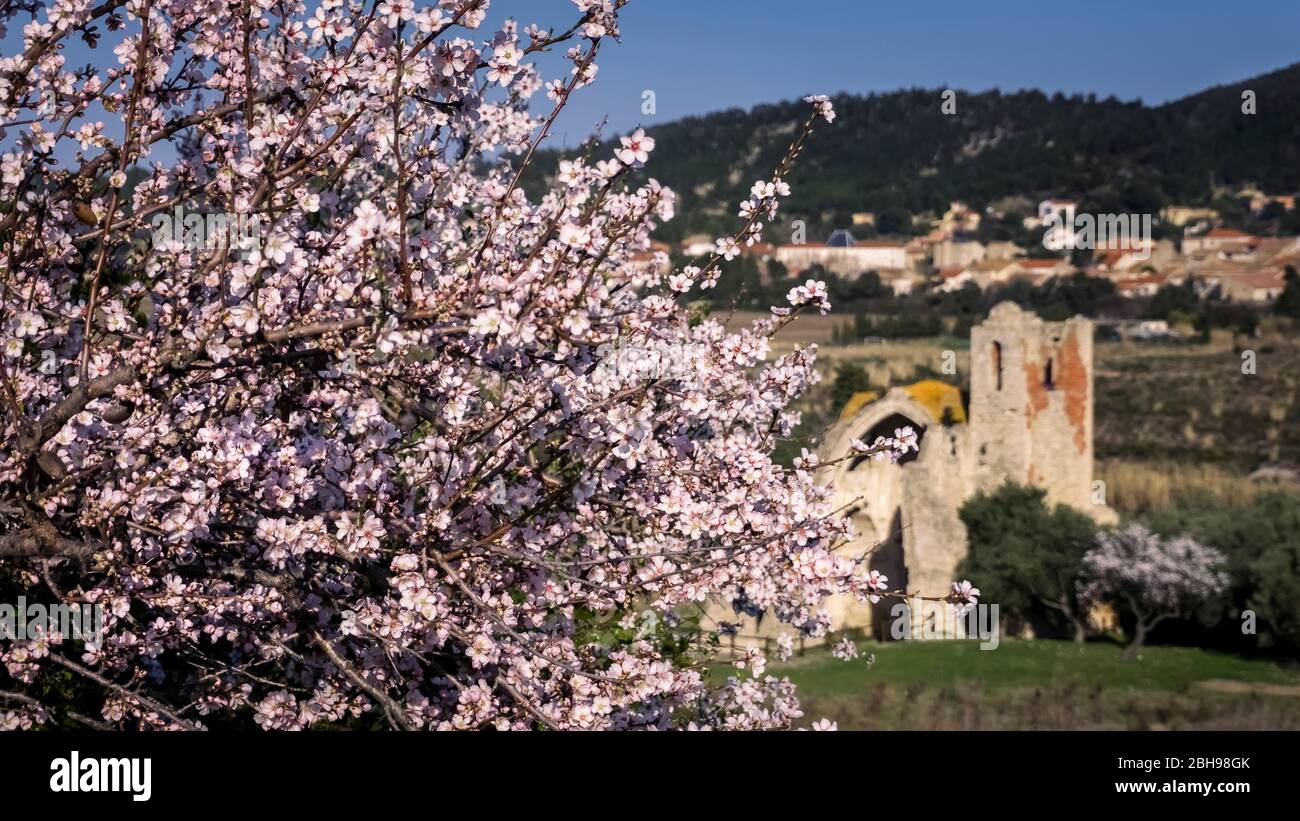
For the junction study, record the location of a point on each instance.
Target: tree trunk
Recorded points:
(1139, 636)
(1080, 621)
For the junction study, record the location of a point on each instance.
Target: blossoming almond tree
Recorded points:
(367, 467)
(1154, 578)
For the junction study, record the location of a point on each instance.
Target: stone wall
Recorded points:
(934, 486)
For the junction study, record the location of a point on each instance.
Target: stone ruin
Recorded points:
(1029, 421)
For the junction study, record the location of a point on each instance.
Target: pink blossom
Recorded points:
(636, 148)
(383, 469)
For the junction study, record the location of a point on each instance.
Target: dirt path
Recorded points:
(1221, 685)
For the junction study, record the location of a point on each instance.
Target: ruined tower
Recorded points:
(1031, 397)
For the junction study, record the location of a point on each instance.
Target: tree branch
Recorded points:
(30, 441)
(41, 539)
(158, 707)
(396, 715)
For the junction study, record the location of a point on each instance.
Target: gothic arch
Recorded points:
(872, 419)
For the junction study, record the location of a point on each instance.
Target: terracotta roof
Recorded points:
(1276, 245)
(1228, 233)
(1146, 279)
(1225, 267)
(1268, 278)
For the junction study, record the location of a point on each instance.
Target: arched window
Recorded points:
(1048, 381)
(997, 363)
(886, 428)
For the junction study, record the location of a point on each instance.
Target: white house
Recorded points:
(843, 255)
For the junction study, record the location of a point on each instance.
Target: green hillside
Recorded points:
(898, 154)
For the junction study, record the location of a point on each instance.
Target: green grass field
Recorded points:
(1043, 685)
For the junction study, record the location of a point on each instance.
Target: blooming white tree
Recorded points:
(365, 466)
(1154, 578)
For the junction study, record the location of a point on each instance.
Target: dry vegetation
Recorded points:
(1135, 488)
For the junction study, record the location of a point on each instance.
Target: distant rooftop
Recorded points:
(840, 238)
(1227, 233)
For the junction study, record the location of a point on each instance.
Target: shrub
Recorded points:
(1027, 556)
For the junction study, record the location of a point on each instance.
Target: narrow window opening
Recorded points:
(1048, 381)
(997, 363)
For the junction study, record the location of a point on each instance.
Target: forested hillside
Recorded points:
(898, 154)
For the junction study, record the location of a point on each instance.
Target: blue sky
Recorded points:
(705, 55)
